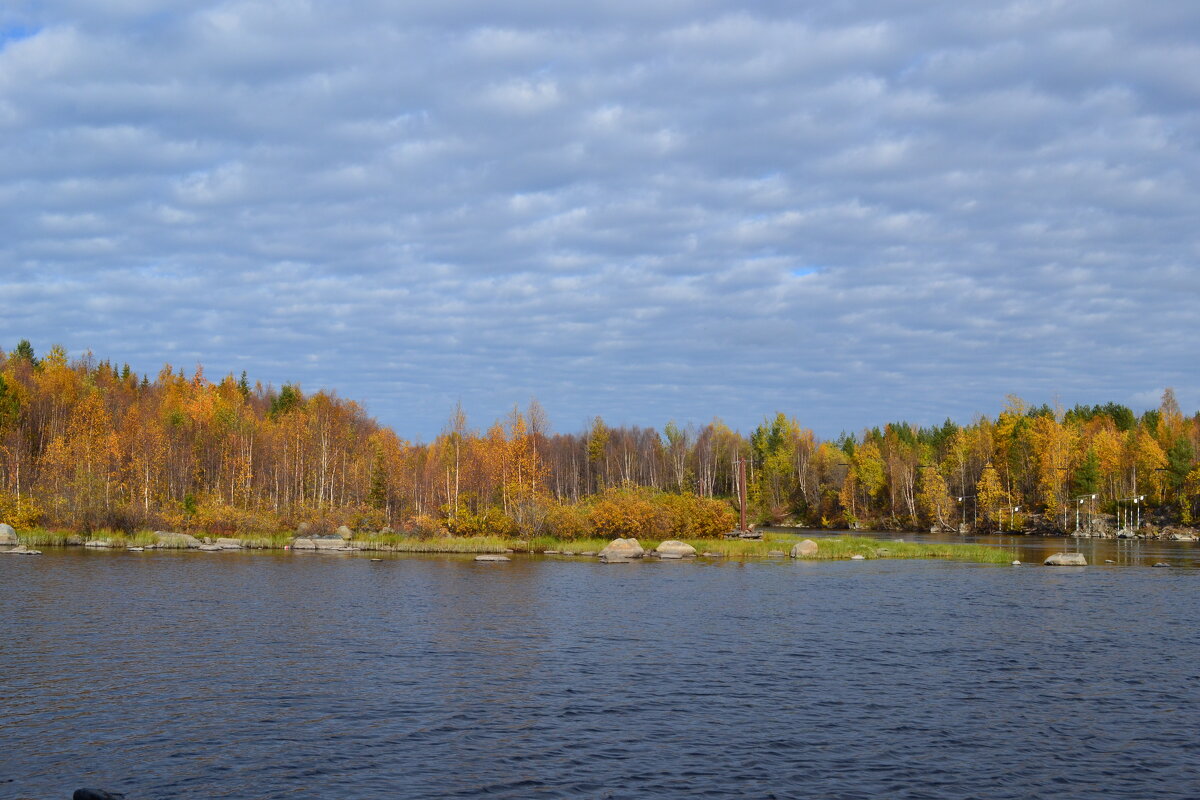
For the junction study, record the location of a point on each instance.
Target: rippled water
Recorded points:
(248, 675)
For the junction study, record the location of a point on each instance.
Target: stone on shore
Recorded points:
(1066, 560)
(303, 544)
(804, 549)
(330, 543)
(97, 543)
(492, 557)
(22, 550)
(676, 546)
(621, 550)
(8, 536)
(226, 543)
(857, 557)
(670, 556)
(210, 548)
(344, 533)
(171, 539)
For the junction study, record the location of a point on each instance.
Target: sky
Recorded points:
(850, 211)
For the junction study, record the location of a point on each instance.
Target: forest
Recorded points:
(86, 445)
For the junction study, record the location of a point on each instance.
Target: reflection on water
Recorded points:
(245, 675)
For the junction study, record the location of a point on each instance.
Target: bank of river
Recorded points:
(264, 674)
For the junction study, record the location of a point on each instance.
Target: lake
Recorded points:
(287, 675)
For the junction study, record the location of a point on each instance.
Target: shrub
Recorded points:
(568, 522)
(624, 513)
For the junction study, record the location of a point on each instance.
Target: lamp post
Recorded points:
(963, 502)
(1091, 507)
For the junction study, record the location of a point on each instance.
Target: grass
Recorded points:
(830, 548)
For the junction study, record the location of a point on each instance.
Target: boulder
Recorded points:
(344, 533)
(804, 549)
(303, 544)
(97, 543)
(96, 794)
(1066, 560)
(210, 548)
(1162, 564)
(492, 557)
(857, 557)
(713, 554)
(225, 543)
(8, 536)
(179, 540)
(675, 546)
(22, 550)
(621, 550)
(328, 543)
(670, 556)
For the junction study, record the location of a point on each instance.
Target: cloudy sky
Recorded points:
(852, 211)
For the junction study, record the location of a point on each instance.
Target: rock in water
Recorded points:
(1016, 563)
(172, 539)
(96, 794)
(8, 535)
(676, 547)
(492, 557)
(1066, 560)
(804, 549)
(857, 557)
(621, 550)
(1162, 564)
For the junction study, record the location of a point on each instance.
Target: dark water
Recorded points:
(248, 675)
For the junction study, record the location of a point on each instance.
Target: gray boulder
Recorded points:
(101, 543)
(492, 557)
(622, 550)
(8, 536)
(344, 533)
(804, 549)
(226, 543)
(1066, 560)
(329, 543)
(21, 550)
(210, 548)
(675, 547)
(303, 544)
(169, 539)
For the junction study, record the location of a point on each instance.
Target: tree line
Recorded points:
(87, 445)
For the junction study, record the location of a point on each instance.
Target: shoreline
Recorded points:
(773, 546)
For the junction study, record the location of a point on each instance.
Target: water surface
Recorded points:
(279, 675)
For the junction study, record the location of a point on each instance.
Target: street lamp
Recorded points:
(963, 501)
(1091, 510)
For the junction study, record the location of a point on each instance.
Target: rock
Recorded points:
(1016, 563)
(373, 560)
(335, 543)
(173, 540)
(492, 557)
(711, 554)
(776, 554)
(96, 794)
(670, 556)
(135, 549)
(303, 544)
(550, 552)
(345, 533)
(804, 549)
(1109, 561)
(22, 550)
(588, 553)
(210, 548)
(226, 543)
(621, 549)
(97, 543)
(1066, 560)
(1162, 564)
(857, 557)
(8, 535)
(675, 546)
